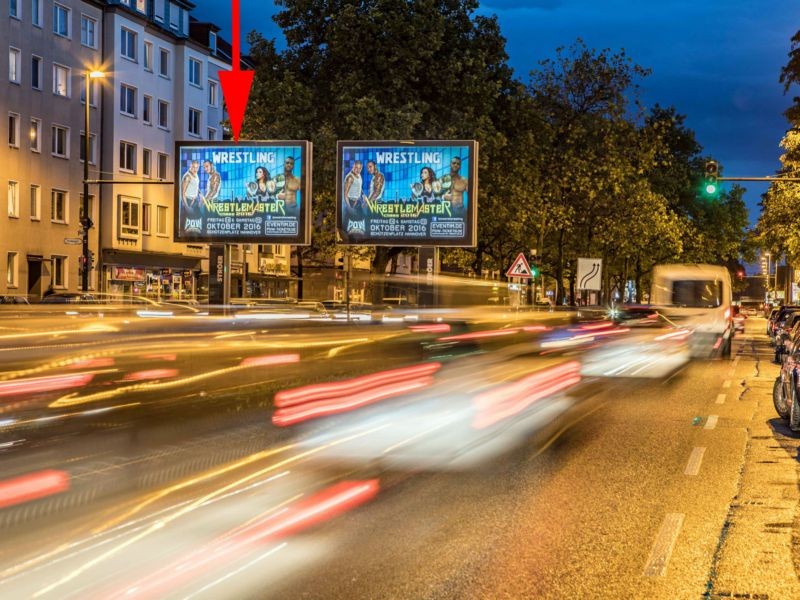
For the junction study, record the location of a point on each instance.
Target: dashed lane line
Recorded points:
(662, 547)
(695, 460)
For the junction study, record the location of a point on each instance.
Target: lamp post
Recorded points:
(86, 221)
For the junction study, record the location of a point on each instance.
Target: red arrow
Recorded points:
(236, 83)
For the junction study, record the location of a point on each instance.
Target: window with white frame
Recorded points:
(36, 12)
(60, 145)
(14, 65)
(13, 199)
(127, 157)
(36, 72)
(36, 202)
(92, 93)
(158, 11)
(147, 110)
(147, 158)
(128, 217)
(128, 43)
(212, 133)
(194, 121)
(163, 62)
(148, 56)
(35, 135)
(127, 100)
(213, 97)
(146, 217)
(14, 9)
(195, 71)
(163, 114)
(58, 206)
(88, 31)
(12, 269)
(92, 154)
(58, 271)
(162, 166)
(60, 20)
(13, 130)
(161, 221)
(61, 76)
(174, 16)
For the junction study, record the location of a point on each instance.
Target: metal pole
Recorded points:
(85, 204)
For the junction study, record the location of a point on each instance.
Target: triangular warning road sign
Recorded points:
(520, 268)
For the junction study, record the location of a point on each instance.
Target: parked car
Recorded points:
(785, 392)
(13, 300)
(778, 320)
(69, 298)
(785, 334)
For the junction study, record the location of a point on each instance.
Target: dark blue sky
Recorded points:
(716, 61)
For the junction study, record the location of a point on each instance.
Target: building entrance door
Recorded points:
(35, 277)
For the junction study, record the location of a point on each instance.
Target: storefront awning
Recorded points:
(149, 259)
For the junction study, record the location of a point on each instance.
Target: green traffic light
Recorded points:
(711, 189)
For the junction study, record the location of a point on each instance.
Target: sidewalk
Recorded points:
(759, 551)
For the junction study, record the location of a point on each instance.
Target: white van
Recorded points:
(697, 297)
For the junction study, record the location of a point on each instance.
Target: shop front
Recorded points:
(160, 277)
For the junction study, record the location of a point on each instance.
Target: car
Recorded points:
(68, 298)
(785, 391)
(13, 300)
(778, 320)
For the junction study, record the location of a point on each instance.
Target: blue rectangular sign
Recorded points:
(243, 192)
(421, 193)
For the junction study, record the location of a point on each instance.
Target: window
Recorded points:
(13, 130)
(91, 148)
(127, 100)
(148, 56)
(36, 72)
(60, 146)
(162, 166)
(58, 271)
(158, 11)
(140, 6)
(58, 206)
(194, 121)
(88, 32)
(35, 135)
(128, 217)
(212, 42)
(174, 15)
(127, 157)
(92, 93)
(61, 80)
(161, 221)
(146, 160)
(195, 71)
(212, 133)
(13, 199)
(12, 266)
(36, 12)
(36, 203)
(163, 62)
(14, 9)
(60, 20)
(163, 114)
(14, 67)
(128, 44)
(146, 210)
(147, 110)
(212, 93)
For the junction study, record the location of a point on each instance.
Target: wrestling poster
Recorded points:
(243, 192)
(420, 193)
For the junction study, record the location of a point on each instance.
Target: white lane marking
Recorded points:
(662, 548)
(711, 423)
(731, 371)
(695, 460)
(735, 361)
(721, 398)
(726, 383)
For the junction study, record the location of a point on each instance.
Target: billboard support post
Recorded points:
(428, 275)
(347, 262)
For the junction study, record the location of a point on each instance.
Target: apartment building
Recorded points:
(51, 46)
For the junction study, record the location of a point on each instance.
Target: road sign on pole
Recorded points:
(520, 268)
(590, 272)
(73, 241)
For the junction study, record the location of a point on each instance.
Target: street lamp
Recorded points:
(86, 221)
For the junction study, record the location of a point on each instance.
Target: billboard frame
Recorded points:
(471, 238)
(306, 170)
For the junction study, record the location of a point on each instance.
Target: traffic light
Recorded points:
(711, 179)
(740, 274)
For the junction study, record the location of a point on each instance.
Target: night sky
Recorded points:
(717, 61)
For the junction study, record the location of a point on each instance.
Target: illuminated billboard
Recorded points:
(421, 193)
(242, 192)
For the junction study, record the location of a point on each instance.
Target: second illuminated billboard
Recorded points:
(243, 192)
(421, 193)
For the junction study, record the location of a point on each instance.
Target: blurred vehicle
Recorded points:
(698, 297)
(13, 300)
(69, 298)
(317, 308)
(397, 300)
(738, 318)
(769, 314)
(637, 313)
(777, 320)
